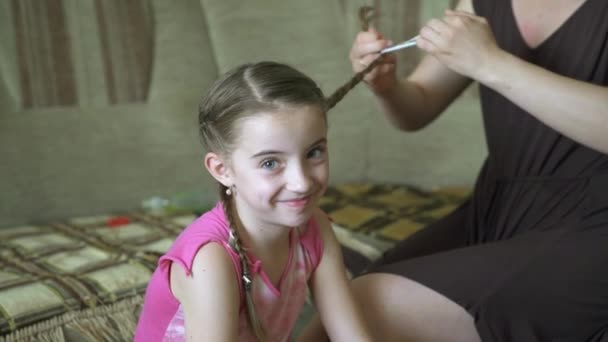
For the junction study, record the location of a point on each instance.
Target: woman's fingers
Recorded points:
(363, 62)
(430, 39)
(373, 30)
(464, 14)
(438, 25)
(365, 49)
(439, 34)
(367, 46)
(460, 40)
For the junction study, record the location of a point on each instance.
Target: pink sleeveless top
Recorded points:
(277, 308)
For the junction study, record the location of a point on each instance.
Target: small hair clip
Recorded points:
(246, 282)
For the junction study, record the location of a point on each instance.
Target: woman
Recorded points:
(525, 258)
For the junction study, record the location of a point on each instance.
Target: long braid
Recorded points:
(366, 14)
(235, 243)
(339, 94)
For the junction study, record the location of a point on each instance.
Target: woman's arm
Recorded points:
(576, 109)
(331, 291)
(413, 103)
(464, 43)
(209, 296)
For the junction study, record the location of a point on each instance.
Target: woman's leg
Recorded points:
(399, 309)
(448, 233)
(538, 286)
(444, 234)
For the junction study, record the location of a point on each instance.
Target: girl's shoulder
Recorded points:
(211, 227)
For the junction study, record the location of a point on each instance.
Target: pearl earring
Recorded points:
(228, 191)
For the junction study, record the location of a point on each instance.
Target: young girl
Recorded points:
(241, 270)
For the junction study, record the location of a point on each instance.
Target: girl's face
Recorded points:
(280, 166)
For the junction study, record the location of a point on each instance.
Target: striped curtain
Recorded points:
(77, 52)
(126, 39)
(44, 54)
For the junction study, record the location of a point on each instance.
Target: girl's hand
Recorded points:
(365, 49)
(461, 41)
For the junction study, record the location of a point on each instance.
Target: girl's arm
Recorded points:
(209, 296)
(464, 43)
(339, 311)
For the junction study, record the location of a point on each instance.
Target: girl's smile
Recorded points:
(297, 202)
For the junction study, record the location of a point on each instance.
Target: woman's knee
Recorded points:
(402, 309)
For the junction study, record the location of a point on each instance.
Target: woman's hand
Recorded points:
(366, 49)
(461, 41)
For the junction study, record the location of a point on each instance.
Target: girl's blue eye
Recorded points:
(316, 152)
(269, 164)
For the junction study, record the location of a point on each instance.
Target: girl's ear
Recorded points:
(218, 168)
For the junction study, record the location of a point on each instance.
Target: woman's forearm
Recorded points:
(413, 103)
(404, 107)
(576, 109)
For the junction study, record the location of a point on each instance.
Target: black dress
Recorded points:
(527, 254)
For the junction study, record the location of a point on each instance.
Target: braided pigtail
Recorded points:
(366, 14)
(237, 246)
(339, 94)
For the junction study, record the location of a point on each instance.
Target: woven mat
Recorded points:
(387, 212)
(78, 266)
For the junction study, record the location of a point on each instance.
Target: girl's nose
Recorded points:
(299, 180)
